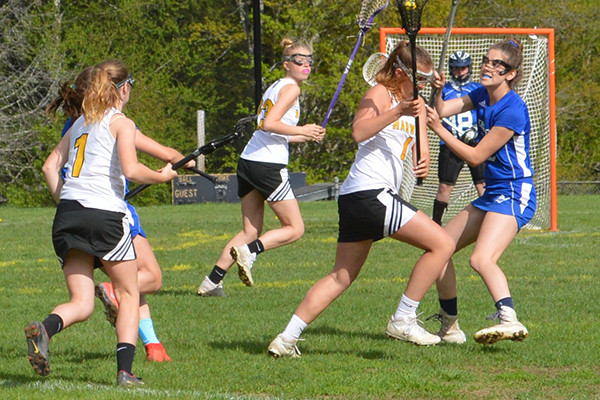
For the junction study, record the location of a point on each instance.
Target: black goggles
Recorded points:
(129, 80)
(495, 64)
(300, 59)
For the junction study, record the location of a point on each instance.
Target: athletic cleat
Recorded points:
(244, 259)
(408, 328)
(106, 294)
(209, 289)
(127, 380)
(280, 347)
(450, 332)
(156, 352)
(509, 328)
(37, 347)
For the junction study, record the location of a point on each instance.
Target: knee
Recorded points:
(448, 247)
(156, 285)
(478, 262)
(86, 309)
(298, 231)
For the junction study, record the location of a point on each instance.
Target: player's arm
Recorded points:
(474, 156)
(288, 96)
(374, 113)
(447, 108)
(154, 149)
(124, 130)
(54, 164)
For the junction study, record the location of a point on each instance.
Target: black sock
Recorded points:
(256, 247)
(438, 211)
(125, 354)
(217, 274)
(449, 306)
(53, 324)
(507, 301)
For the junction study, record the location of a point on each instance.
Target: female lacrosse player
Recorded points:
(70, 99)
(509, 200)
(262, 174)
(90, 222)
(370, 207)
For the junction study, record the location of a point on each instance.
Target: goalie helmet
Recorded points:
(460, 59)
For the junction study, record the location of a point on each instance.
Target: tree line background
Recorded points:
(198, 55)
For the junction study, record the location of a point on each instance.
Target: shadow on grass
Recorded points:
(28, 378)
(250, 347)
(333, 331)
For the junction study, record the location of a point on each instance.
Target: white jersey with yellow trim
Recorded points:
(267, 146)
(94, 175)
(379, 161)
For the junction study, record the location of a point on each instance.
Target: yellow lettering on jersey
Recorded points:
(264, 110)
(405, 149)
(404, 126)
(79, 158)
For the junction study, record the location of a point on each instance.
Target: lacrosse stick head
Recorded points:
(368, 10)
(242, 125)
(410, 12)
(372, 66)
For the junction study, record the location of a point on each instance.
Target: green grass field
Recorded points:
(218, 345)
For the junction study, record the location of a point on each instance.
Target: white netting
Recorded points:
(368, 10)
(533, 88)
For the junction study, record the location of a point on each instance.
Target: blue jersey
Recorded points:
(512, 160)
(462, 121)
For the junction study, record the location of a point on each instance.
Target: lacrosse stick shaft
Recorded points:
(203, 174)
(343, 79)
(206, 149)
(413, 50)
(444, 49)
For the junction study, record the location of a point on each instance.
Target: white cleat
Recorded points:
(409, 329)
(509, 328)
(209, 289)
(244, 259)
(450, 332)
(280, 347)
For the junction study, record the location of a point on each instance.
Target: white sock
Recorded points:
(406, 307)
(294, 329)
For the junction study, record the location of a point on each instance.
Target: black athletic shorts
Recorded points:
(103, 234)
(450, 165)
(271, 180)
(372, 214)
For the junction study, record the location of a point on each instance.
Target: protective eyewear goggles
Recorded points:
(300, 59)
(422, 77)
(129, 80)
(496, 64)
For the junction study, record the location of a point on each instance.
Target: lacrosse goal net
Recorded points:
(537, 90)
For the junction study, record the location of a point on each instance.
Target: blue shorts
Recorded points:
(515, 197)
(134, 222)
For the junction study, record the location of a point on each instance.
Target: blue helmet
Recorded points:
(460, 59)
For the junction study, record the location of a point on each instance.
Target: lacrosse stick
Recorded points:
(372, 66)
(208, 148)
(369, 9)
(410, 13)
(444, 49)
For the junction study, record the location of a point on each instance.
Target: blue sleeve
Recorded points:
(513, 116)
(477, 95)
(67, 126)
